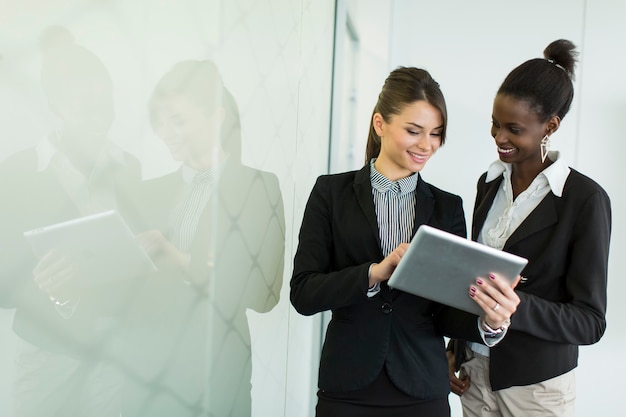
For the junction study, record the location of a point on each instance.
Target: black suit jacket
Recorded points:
(563, 297)
(339, 240)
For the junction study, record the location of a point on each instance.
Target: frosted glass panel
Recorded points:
(190, 120)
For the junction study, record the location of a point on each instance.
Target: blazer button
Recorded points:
(386, 308)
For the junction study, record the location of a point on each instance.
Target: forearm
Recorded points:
(313, 292)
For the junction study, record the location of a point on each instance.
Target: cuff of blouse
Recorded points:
(374, 289)
(491, 336)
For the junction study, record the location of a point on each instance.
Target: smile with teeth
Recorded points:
(505, 151)
(419, 157)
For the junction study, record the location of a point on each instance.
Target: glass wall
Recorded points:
(158, 154)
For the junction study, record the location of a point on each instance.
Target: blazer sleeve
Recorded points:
(316, 284)
(580, 318)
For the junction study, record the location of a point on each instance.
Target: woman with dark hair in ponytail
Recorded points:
(532, 204)
(384, 351)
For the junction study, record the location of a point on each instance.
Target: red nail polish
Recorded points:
(492, 276)
(472, 289)
(479, 281)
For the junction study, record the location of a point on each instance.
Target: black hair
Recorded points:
(546, 84)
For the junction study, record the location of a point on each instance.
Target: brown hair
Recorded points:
(403, 86)
(201, 83)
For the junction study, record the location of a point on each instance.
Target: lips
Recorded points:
(417, 157)
(503, 151)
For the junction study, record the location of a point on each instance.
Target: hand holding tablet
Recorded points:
(441, 266)
(101, 245)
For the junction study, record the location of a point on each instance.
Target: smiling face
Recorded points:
(408, 140)
(190, 132)
(518, 131)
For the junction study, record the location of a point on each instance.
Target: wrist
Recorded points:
(372, 282)
(494, 331)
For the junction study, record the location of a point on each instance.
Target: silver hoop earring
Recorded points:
(545, 147)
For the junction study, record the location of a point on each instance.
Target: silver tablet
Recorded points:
(101, 245)
(440, 266)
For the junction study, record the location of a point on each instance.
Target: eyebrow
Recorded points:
(493, 119)
(421, 127)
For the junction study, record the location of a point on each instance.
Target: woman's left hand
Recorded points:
(497, 298)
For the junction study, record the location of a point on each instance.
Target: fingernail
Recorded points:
(471, 294)
(479, 281)
(472, 288)
(492, 276)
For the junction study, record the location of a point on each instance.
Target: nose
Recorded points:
(424, 143)
(164, 131)
(497, 135)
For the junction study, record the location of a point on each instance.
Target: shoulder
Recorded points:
(25, 160)
(578, 184)
(169, 177)
(339, 179)
(133, 166)
(239, 177)
(483, 178)
(339, 182)
(18, 170)
(440, 194)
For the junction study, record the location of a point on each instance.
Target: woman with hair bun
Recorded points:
(530, 203)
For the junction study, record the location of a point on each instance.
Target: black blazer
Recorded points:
(339, 240)
(563, 298)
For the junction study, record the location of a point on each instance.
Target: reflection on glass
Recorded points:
(215, 229)
(64, 317)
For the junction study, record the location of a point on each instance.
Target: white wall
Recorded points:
(469, 48)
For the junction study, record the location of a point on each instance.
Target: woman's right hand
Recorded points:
(162, 251)
(497, 298)
(382, 271)
(57, 276)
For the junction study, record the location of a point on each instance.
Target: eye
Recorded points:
(177, 121)
(515, 130)
(412, 132)
(495, 124)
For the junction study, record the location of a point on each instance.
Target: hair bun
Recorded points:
(562, 52)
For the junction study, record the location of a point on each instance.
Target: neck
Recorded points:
(208, 161)
(522, 175)
(83, 155)
(390, 170)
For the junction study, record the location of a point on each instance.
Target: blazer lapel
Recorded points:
(543, 216)
(482, 207)
(363, 192)
(424, 203)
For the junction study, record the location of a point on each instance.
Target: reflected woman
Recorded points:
(215, 228)
(64, 316)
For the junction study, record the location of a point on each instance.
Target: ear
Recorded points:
(553, 124)
(378, 122)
